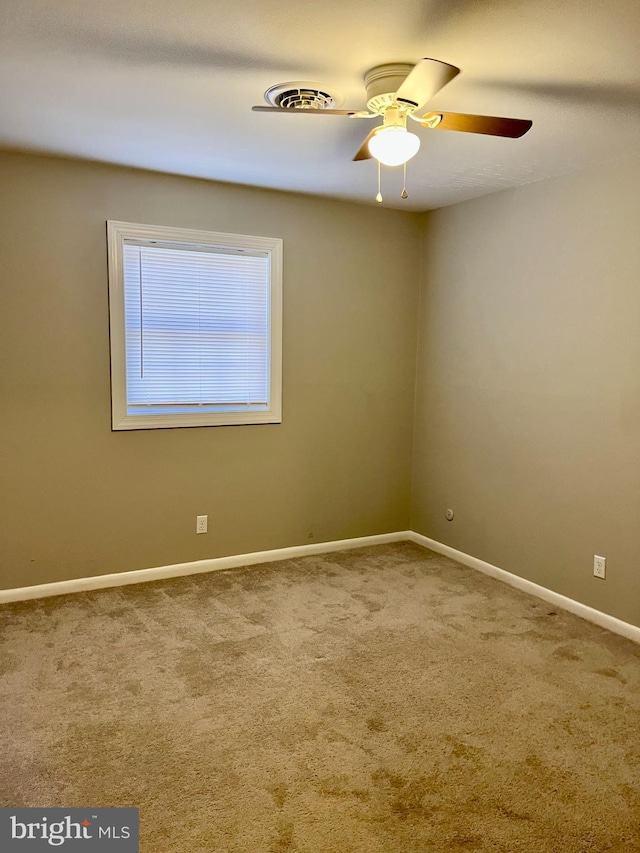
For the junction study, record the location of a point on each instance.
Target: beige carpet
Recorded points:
(384, 700)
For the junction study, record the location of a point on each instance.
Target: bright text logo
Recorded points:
(109, 830)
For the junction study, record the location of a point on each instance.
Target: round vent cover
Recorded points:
(302, 96)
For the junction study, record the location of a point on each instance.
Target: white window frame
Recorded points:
(117, 233)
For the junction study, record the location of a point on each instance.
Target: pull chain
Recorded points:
(404, 193)
(379, 196)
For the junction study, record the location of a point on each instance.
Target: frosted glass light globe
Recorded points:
(393, 146)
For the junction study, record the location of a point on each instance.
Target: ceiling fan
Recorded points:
(395, 93)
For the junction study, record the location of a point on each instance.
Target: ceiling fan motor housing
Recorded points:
(382, 83)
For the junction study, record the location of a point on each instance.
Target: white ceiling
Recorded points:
(169, 85)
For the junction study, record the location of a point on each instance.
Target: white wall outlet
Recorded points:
(201, 523)
(599, 566)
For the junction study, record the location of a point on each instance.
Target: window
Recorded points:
(196, 327)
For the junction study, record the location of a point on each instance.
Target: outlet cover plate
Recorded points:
(599, 566)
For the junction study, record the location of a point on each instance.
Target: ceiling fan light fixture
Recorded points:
(393, 146)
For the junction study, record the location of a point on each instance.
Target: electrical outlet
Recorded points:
(201, 523)
(599, 566)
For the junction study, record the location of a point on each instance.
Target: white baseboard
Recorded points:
(46, 590)
(617, 626)
(625, 629)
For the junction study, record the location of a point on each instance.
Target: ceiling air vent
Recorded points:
(302, 96)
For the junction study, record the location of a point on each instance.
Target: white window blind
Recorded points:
(197, 331)
(197, 328)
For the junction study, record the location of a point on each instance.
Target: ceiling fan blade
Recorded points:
(314, 111)
(363, 151)
(512, 128)
(426, 78)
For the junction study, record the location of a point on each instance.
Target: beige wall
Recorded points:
(528, 404)
(528, 392)
(77, 499)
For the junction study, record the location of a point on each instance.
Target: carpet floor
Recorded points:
(380, 700)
